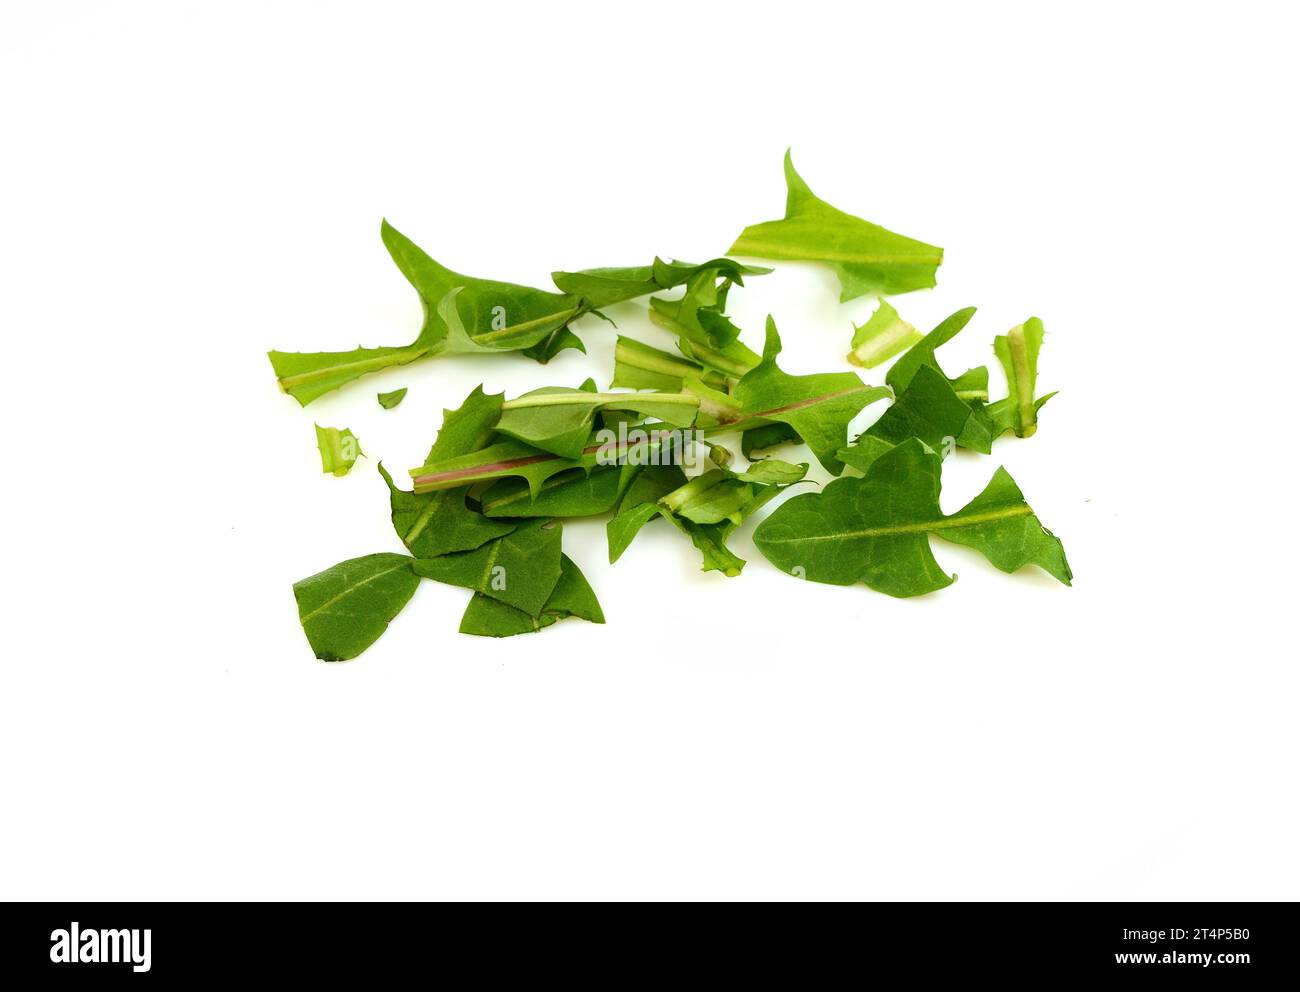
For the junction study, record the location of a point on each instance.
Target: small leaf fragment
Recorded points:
(390, 400)
(339, 450)
(882, 337)
(1017, 350)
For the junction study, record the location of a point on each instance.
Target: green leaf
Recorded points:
(572, 597)
(469, 427)
(711, 539)
(603, 287)
(708, 509)
(309, 375)
(704, 333)
(519, 569)
(560, 420)
(390, 400)
(900, 373)
(339, 450)
(439, 523)
(488, 315)
(881, 338)
(710, 498)
(499, 461)
(345, 609)
(866, 257)
(929, 409)
(640, 505)
(774, 472)
(1017, 350)
(971, 387)
(561, 339)
(575, 493)
(817, 407)
(876, 529)
(639, 366)
(541, 343)
(718, 411)
(461, 314)
(865, 450)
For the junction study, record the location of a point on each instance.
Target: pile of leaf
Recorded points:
(484, 508)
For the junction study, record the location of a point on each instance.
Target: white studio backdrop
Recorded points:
(185, 188)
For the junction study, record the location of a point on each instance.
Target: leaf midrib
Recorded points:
(397, 357)
(425, 515)
(351, 589)
(767, 249)
(525, 327)
(919, 527)
(593, 400)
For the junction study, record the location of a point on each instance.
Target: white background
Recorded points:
(184, 188)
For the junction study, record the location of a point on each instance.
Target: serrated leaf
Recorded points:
(571, 597)
(520, 569)
(817, 407)
(306, 376)
(499, 461)
(489, 315)
(461, 313)
(570, 494)
(876, 529)
(345, 609)
(575, 493)
(700, 313)
(339, 450)
(604, 287)
(390, 400)
(866, 257)
(468, 428)
(882, 337)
